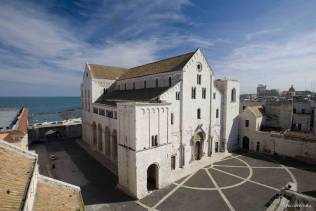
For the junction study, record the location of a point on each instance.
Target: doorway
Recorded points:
(245, 143)
(152, 177)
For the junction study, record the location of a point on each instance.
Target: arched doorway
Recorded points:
(198, 146)
(245, 143)
(152, 177)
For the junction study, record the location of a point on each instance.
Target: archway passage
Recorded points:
(245, 143)
(152, 177)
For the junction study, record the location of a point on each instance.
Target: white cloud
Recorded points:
(253, 35)
(277, 64)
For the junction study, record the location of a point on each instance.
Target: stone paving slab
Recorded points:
(306, 181)
(193, 200)
(242, 172)
(156, 196)
(249, 196)
(277, 178)
(255, 160)
(223, 179)
(200, 180)
(231, 162)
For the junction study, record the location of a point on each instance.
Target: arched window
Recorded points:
(145, 84)
(156, 82)
(172, 118)
(199, 113)
(170, 82)
(217, 113)
(233, 95)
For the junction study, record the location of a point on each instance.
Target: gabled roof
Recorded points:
(105, 72)
(15, 174)
(162, 66)
(136, 95)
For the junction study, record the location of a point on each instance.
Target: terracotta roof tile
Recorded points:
(162, 66)
(15, 173)
(105, 72)
(52, 196)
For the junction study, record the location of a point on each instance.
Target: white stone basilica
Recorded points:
(152, 122)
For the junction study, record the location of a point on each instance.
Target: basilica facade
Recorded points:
(153, 121)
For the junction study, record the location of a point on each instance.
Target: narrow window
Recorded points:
(203, 93)
(118, 87)
(294, 110)
(303, 111)
(154, 140)
(95, 110)
(217, 113)
(243, 108)
(172, 118)
(214, 95)
(177, 95)
(170, 82)
(133, 85)
(173, 162)
(233, 95)
(198, 78)
(299, 126)
(145, 84)
(199, 113)
(247, 123)
(125, 86)
(193, 93)
(156, 82)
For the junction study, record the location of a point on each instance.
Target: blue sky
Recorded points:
(45, 44)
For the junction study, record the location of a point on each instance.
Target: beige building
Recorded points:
(23, 188)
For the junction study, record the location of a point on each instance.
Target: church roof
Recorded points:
(256, 110)
(292, 89)
(15, 174)
(162, 66)
(54, 195)
(105, 72)
(136, 95)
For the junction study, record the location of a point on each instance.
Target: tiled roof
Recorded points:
(105, 72)
(137, 95)
(16, 171)
(162, 66)
(54, 196)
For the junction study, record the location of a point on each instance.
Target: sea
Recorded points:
(45, 109)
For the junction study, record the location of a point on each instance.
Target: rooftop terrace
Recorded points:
(8, 117)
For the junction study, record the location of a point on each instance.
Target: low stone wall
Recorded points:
(295, 147)
(60, 131)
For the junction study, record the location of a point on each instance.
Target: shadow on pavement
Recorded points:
(101, 185)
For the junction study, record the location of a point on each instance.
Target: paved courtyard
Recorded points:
(239, 182)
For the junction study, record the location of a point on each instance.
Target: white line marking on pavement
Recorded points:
(145, 206)
(220, 191)
(258, 183)
(173, 190)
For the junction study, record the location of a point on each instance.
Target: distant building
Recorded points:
(152, 122)
(262, 92)
(13, 126)
(23, 188)
(284, 127)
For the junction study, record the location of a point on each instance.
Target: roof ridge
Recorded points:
(109, 66)
(165, 59)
